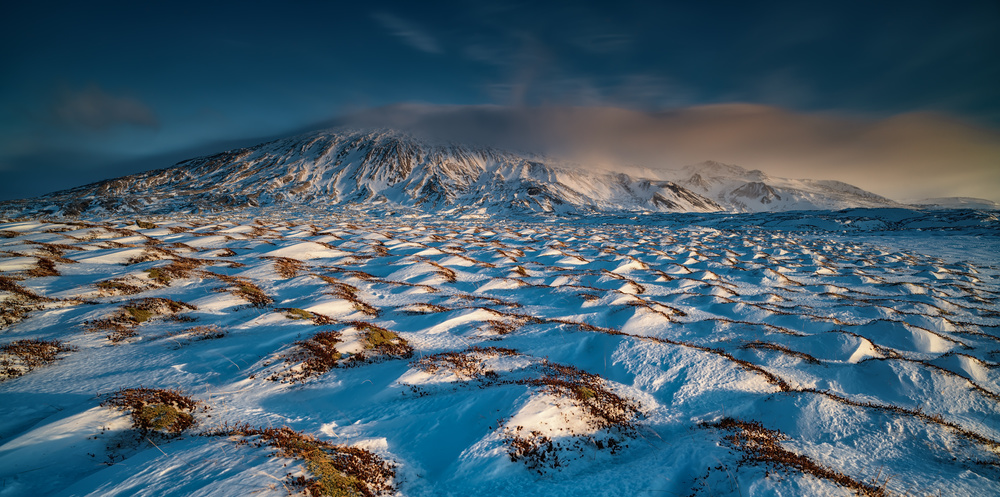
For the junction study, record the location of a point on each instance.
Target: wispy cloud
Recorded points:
(96, 110)
(633, 91)
(408, 32)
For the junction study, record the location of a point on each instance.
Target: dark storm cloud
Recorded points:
(94, 109)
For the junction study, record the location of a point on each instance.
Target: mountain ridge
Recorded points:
(383, 166)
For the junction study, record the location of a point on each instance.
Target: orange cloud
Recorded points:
(906, 156)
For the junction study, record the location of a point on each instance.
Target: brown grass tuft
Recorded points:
(762, 445)
(349, 293)
(246, 290)
(123, 324)
(44, 267)
(10, 285)
(759, 345)
(286, 267)
(120, 286)
(314, 357)
(22, 356)
(590, 391)
(336, 470)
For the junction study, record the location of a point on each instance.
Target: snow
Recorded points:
(739, 190)
(883, 324)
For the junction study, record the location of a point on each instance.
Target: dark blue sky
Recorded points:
(90, 90)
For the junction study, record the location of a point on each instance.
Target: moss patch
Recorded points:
(376, 338)
(293, 313)
(163, 417)
(155, 410)
(159, 275)
(139, 315)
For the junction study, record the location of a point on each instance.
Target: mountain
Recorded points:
(956, 203)
(740, 190)
(337, 167)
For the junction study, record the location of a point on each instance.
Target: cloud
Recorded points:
(598, 42)
(96, 110)
(633, 91)
(408, 32)
(905, 156)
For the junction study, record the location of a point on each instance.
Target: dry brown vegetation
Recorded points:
(381, 342)
(167, 412)
(606, 408)
(424, 308)
(246, 290)
(286, 267)
(181, 267)
(121, 286)
(311, 357)
(762, 445)
(501, 327)
(22, 356)
(607, 412)
(448, 274)
(43, 267)
(759, 345)
(318, 354)
(467, 365)
(611, 417)
(123, 323)
(196, 333)
(10, 285)
(333, 470)
(295, 313)
(349, 293)
(18, 303)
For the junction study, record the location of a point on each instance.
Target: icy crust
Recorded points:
(417, 355)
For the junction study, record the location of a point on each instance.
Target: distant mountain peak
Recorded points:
(956, 203)
(741, 190)
(712, 170)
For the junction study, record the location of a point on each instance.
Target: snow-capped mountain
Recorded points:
(956, 203)
(740, 190)
(336, 167)
(392, 168)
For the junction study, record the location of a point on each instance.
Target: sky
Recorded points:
(900, 98)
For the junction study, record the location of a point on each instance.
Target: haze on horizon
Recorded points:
(899, 99)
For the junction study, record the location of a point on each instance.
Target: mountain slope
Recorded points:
(338, 167)
(741, 190)
(955, 203)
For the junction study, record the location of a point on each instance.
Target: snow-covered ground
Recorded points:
(646, 356)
